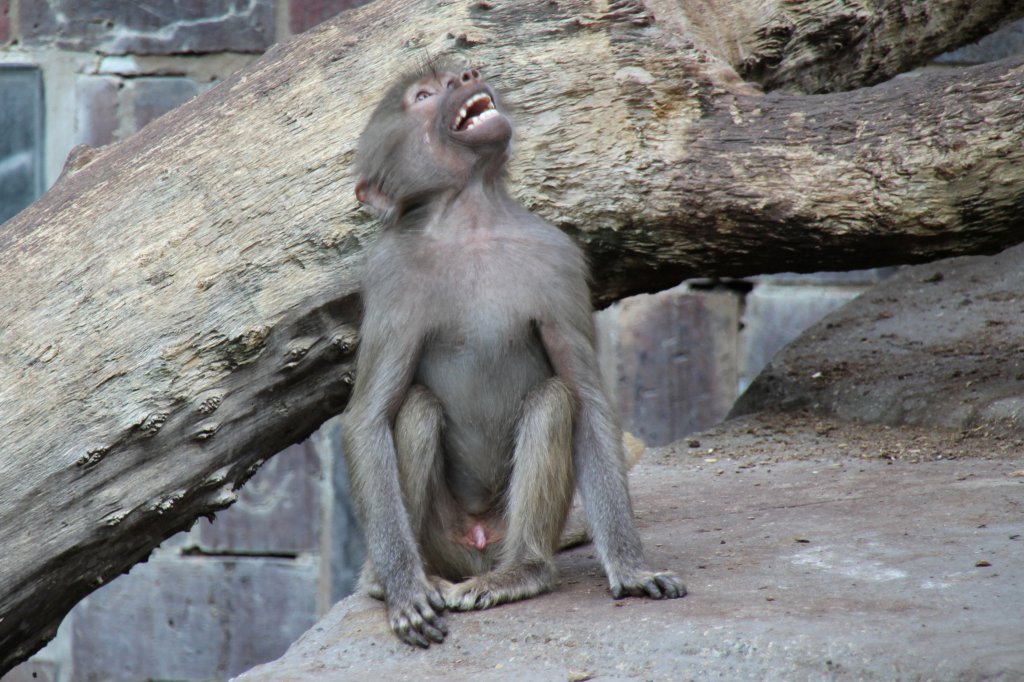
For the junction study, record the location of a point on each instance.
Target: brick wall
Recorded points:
(109, 67)
(21, 120)
(5, 21)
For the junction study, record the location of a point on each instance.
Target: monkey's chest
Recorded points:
(481, 353)
(481, 366)
(482, 301)
(483, 360)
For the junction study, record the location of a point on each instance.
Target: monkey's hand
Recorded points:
(640, 582)
(414, 613)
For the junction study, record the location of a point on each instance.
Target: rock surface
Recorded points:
(813, 549)
(940, 344)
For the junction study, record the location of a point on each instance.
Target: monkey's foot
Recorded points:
(576, 532)
(375, 590)
(500, 586)
(414, 615)
(644, 583)
(368, 581)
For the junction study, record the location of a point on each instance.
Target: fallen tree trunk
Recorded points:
(184, 304)
(831, 45)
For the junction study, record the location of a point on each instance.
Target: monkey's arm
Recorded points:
(386, 363)
(600, 464)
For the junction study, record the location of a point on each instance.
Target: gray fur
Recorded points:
(477, 398)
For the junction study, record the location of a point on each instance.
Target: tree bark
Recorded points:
(830, 45)
(184, 304)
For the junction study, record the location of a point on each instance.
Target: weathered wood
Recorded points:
(184, 304)
(832, 45)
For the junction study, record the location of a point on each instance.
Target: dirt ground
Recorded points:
(803, 435)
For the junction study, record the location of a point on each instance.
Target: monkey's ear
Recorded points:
(370, 194)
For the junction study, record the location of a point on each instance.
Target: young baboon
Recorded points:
(477, 409)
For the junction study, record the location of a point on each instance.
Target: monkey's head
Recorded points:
(433, 132)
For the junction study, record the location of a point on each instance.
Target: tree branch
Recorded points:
(908, 171)
(832, 45)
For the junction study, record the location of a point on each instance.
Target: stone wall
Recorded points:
(674, 362)
(109, 67)
(229, 594)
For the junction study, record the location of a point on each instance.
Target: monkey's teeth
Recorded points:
(480, 118)
(471, 104)
(480, 96)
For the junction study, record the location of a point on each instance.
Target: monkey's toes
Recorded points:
(439, 595)
(468, 596)
(662, 585)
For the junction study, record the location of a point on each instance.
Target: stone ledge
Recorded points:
(811, 548)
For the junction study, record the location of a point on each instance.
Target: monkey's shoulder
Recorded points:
(495, 277)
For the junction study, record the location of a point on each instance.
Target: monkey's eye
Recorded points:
(422, 95)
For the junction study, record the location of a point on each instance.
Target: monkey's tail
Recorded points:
(577, 528)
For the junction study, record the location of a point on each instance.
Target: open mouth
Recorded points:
(475, 111)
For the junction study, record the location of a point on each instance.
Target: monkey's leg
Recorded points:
(576, 532)
(577, 529)
(417, 433)
(430, 505)
(539, 494)
(417, 448)
(420, 462)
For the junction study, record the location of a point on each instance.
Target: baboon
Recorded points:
(477, 409)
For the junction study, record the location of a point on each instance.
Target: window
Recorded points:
(21, 137)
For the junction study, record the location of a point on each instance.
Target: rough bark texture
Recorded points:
(184, 304)
(831, 45)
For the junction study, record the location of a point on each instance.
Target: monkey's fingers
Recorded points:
(419, 635)
(410, 636)
(418, 624)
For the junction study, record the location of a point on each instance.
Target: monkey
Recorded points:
(477, 410)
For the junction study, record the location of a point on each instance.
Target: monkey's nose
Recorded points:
(470, 75)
